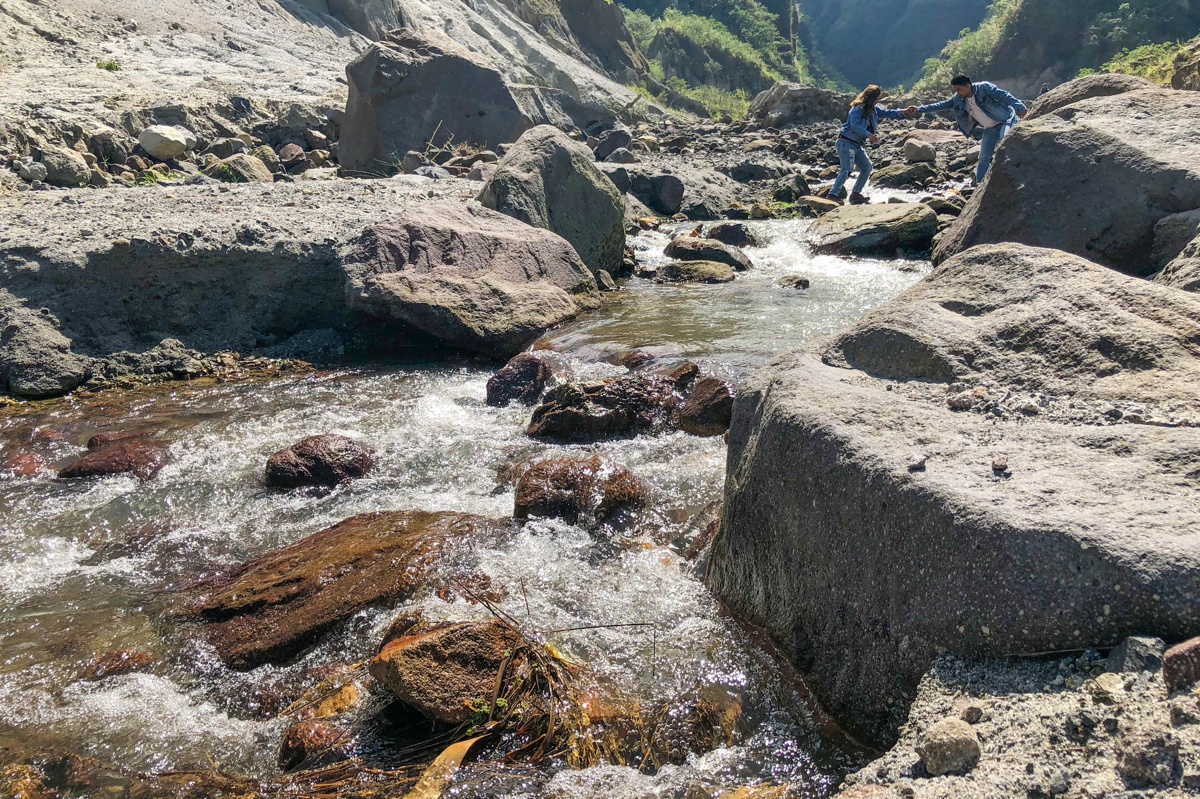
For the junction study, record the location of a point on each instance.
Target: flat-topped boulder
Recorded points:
(1000, 461)
(468, 275)
(274, 606)
(1092, 177)
(875, 230)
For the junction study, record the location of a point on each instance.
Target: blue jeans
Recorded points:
(851, 155)
(987, 149)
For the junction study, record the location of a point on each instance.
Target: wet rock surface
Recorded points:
(688, 248)
(919, 483)
(136, 455)
(708, 409)
(325, 460)
(875, 230)
(694, 272)
(272, 607)
(442, 672)
(523, 379)
(578, 490)
(613, 408)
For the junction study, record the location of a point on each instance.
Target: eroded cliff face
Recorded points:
(886, 41)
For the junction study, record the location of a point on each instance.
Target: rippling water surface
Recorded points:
(93, 566)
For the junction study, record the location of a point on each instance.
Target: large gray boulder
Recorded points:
(411, 89)
(549, 181)
(869, 527)
(35, 358)
(1086, 88)
(1184, 271)
(1092, 178)
(796, 104)
(467, 275)
(875, 230)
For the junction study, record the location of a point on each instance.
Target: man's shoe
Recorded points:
(858, 199)
(837, 200)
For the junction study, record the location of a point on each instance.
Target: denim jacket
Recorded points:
(991, 99)
(858, 127)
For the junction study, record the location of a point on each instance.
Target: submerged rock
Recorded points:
(694, 272)
(613, 408)
(136, 455)
(875, 230)
(274, 606)
(470, 276)
(551, 182)
(524, 379)
(822, 472)
(324, 460)
(445, 672)
(312, 744)
(591, 490)
(708, 409)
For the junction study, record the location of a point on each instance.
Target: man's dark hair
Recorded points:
(960, 80)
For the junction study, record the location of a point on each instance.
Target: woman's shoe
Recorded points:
(859, 199)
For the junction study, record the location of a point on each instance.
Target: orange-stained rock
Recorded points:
(578, 489)
(277, 604)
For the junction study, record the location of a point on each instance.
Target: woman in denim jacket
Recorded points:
(859, 129)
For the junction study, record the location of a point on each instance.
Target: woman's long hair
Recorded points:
(869, 97)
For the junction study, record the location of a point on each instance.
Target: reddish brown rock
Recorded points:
(274, 606)
(619, 406)
(310, 744)
(116, 662)
(591, 490)
(325, 460)
(291, 154)
(440, 673)
(1181, 665)
(136, 456)
(708, 410)
(524, 379)
(102, 440)
(23, 464)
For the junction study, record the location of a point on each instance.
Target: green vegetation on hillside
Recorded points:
(718, 53)
(1027, 37)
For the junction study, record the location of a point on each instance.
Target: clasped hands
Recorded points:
(912, 112)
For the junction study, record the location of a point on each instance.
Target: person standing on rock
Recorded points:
(985, 112)
(860, 128)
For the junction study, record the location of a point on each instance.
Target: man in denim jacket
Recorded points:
(985, 112)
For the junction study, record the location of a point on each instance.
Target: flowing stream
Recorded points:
(92, 566)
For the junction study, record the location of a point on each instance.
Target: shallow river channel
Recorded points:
(94, 566)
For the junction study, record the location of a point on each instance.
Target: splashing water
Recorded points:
(94, 566)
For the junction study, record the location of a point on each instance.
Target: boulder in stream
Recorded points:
(551, 182)
(525, 378)
(613, 408)
(324, 460)
(878, 230)
(689, 248)
(138, 456)
(578, 490)
(468, 275)
(445, 671)
(1057, 513)
(275, 605)
(708, 409)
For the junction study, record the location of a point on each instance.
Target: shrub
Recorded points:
(108, 65)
